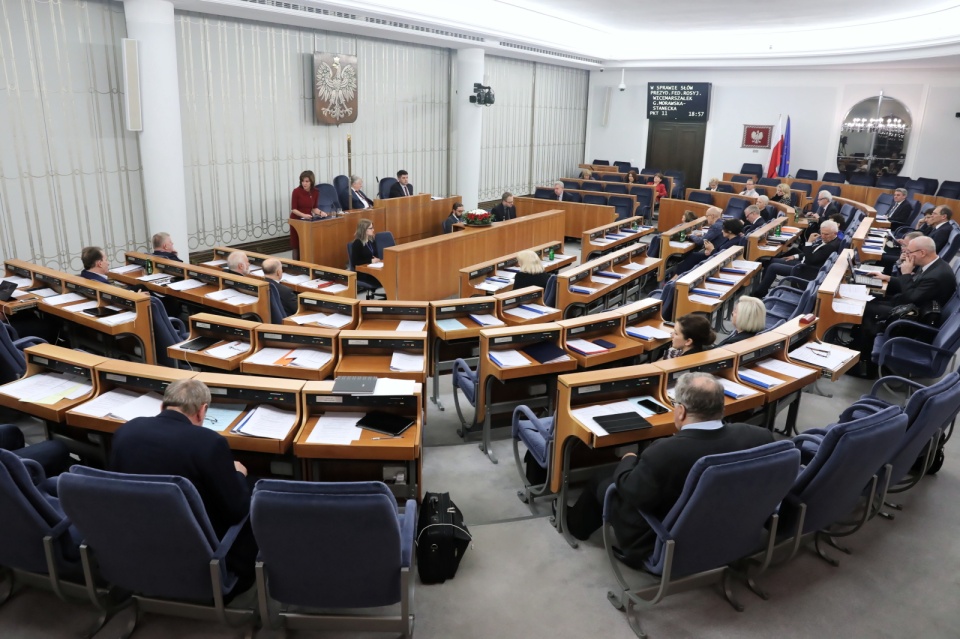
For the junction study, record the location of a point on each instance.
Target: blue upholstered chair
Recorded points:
(622, 205)
(752, 168)
(150, 535)
(806, 174)
(841, 474)
(724, 188)
(725, 514)
(801, 186)
(705, 197)
(836, 178)
(536, 433)
(678, 183)
(550, 291)
(594, 198)
(341, 185)
(739, 179)
(277, 314)
(383, 240)
(862, 179)
(615, 187)
(543, 192)
(769, 181)
(466, 381)
(328, 200)
(832, 189)
(333, 546)
(12, 362)
(385, 185)
(926, 353)
(601, 162)
(949, 189)
(167, 331)
(571, 184)
(735, 208)
(589, 185)
(644, 202)
(612, 177)
(623, 167)
(930, 185)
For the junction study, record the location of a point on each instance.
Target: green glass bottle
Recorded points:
(149, 267)
(683, 236)
(550, 255)
(777, 231)
(635, 225)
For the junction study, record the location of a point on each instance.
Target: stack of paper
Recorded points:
(744, 264)
(411, 325)
(735, 390)
(390, 386)
(601, 241)
(268, 356)
(310, 318)
(228, 350)
(509, 358)
(631, 266)
(66, 298)
(335, 320)
(760, 379)
(185, 285)
(374, 265)
(681, 245)
(509, 275)
(451, 325)
(485, 319)
(822, 355)
(702, 299)
(491, 285)
(214, 263)
(586, 414)
(44, 292)
(317, 283)
(406, 362)
(126, 268)
(310, 358)
(107, 403)
(294, 279)
(602, 281)
(118, 319)
(336, 428)
(19, 281)
(585, 347)
(784, 368)
(268, 422)
(76, 308)
(647, 332)
(583, 290)
(241, 298)
(522, 313)
(153, 277)
(855, 292)
(47, 388)
(335, 288)
(144, 406)
(848, 307)
(538, 308)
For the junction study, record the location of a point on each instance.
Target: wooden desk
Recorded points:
(415, 217)
(642, 314)
(579, 390)
(862, 235)
(828, 295)
(387, 316)
(601, 170)
(672, 210)
(311, 304)
(674, 214)
(606, 326)
(473, 278)
(369, 353)
(514, 338)
(508, 307)
(45, 358)
(670, 243)
(26, 300)
(612, 237)
(452, 342)
(799, 334)
(299, 276)
(720, 267)
(365, 458)
(764, 242)
(577, 217)
(719, 362)
(325, 241)
(225, 330)
(197, 299)
(577, 289)
(289, 338)
(429, 269)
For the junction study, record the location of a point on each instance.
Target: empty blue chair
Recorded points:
(571, 184)
(735, 208)
(806, 174)
(543, 192)
(550, 291)
(623, 167)
(536, 433)
(591, 185)
(601, 162)
(752, 168)
(916, 187)
(383, 240)
(886, 182)
(883, 203)
(649, 171)
(612, 177)
(594, 198)
(706, 197)
(328, 199)
(911, 356)
(168, 331)
(571, 196)
(467, 381)
(930, 185)
(861, 179)
(150, 536)
(801, 186)
(341, 185)
(12, 362)
(333, 546)
(726, 512)
(740, 179)
(623, 206)
(385, 185)
(834, 177)
(769, 181)
(724, 188)
(949, 189)
(615, 187)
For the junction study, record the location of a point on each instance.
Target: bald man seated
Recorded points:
(273, 273)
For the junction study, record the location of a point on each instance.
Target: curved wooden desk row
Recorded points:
(576, 184)
(833, 307)
(407, 218)
(496, 275)
(578, 217)
(605, 282)
(66, 297)
(799, 195)
(297, 275)
(307, 400)
(600, 170)
(672, 210)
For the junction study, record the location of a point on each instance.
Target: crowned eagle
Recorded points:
(336, 86)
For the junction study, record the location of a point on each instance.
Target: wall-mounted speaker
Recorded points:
(131, 84)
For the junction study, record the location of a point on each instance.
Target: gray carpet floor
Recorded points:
(521, 579)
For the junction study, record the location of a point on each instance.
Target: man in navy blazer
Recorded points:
(273, 273)
(163, 247)
(403, 187)
(505, 210)
(176, 443)
(900, 211)
(95, 264)
(358, 199)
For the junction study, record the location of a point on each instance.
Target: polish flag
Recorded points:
(777, 152)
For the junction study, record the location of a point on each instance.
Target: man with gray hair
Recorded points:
(752, 219)
(653, 481)
(558, 193)
(163, 247)
(825, 208)
(176, 443)
(806, 261)
(273, 273)
(358, 199)
(900, 211)
(238, 263)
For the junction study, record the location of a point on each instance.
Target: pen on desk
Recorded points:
(376, 439)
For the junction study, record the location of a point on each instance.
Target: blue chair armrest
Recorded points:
(905, 343)
(793, 279)
(910, 325)
(806, 437)
(35, 468)
(231, 536)
(24, 342)
(179, 326)
(521, 412)
(408, 532)
(875, 389)
(461, 368)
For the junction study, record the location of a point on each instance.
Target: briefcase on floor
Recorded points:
(442, 538)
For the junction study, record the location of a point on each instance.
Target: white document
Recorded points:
(310, 358)
(680, 245)
(761, 379)
(735, 389)
(17, 294)
(43, 385)
(256, 272)
(603, 281)
(335, 288)
(406, 362)
(294, 279)
(267, 356)
(242, 298)
(822, 355)
(390, 386)
(335, 320)
(647, 332)
(107, 403)
(336, 428)
(268, 422)
(485, 319)
(522, 313)
(222, 295)
(214, 263)
(509, 358)
(315, 283)
(66, 298)
(374, 265)
(586, 414)
(869, 268)
(703, 299)
(76, 308)
(720, 288)
(541, 308)
(411, 325)
(309, 318)
(583, 290)
(601, 241)
(784, 368)
(126, 268)
(848, 307)
(19, 281)
(185, 285)
(147, 405)
(585, 347)
(153, 277)
(118, 319)
(744, 265)
(491, 286)
(855, 292)
(631, 266)
(228, 350)
(44, 292)
(507, 274)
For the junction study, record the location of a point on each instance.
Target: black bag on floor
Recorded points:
(442, 538)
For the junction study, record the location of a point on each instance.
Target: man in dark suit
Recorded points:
(729, 233)
(825, 208)
(238, 264)
(273, 273)
(900, 211)
(924, 278)
(505, 210)
(936, 225)
(455, 217)
(403, 187)
(358, 199)
(176, 443)
(163, 247)
(558, 193)
(654, 480)
(753, 219)
(714, 230)
(95, 264)
(809, 258)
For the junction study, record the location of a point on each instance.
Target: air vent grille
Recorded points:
(550, 52)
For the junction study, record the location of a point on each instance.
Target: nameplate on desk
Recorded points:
(240, 286)
(118, 301)
(448, 309)
(373, 309)
(579, 329)
(170, 269)
(358, 342)
(53, 282)
(333, 277)
(703, 368)
(36, 359)
(19, 271)
(206, 278)
(584, 390)
(579, 276)
(329, 399)
(617, 385)
(202, 325)
(644, 314)
(761, 353)
(272, 336)
(218, 391)
(801, 336)
(113, 377)
(502, 340)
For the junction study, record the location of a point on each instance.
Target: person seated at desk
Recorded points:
(924, 279)
(730, 234)
(304, 205)
(95, 264)
(558, 193)
(402, 188)
(273, 273)
(934, 224)
(358, 199)
(238, 264)
(825, 208)
(900, 211)
(654, 480)
(767, 212)
(176, 443)
(749, 189)
(455, 217)
(692, 334)
(660, 189)
(753, 219)
(712, 184)
(163, 247)
(364, 250)
(714, 226)
(586, 174)
(531, 271)
(782, 194)
(809, 258)
(633, 177)
(505, 210)
(749, 318)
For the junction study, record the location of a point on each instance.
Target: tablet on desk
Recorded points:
(385, 423)
(199, 343)
(100, 311)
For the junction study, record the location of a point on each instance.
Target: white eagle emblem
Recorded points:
(336, 85)
(756, 136)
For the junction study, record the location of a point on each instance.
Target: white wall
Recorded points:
(816, 101)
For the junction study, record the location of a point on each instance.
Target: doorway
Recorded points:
(677, 146)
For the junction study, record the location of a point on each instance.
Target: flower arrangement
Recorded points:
(478, 217)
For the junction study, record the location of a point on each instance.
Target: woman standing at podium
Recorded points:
(303, 206)
(364, 250)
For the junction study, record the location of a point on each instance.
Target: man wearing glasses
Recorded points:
(809, 259)
(924, 278)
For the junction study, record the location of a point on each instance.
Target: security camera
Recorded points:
(622, 86)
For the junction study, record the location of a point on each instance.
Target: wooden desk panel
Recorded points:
(43, 358)
(578, 217)
(415, 217)
(325, 241)
(675, 216)
(476, 274)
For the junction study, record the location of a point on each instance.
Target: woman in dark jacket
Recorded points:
(691, 334)
(364, 250)
(749, 318)
(531, 271)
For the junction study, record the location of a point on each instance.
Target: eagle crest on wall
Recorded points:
(335, 87)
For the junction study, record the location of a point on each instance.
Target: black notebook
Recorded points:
(199, 343)
(543, 352)
(386, 423)
(354, 385)
(621, 422)
(604, 343)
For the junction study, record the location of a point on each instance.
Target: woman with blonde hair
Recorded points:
(782, 194)
(749, 318)
(713, 184)
(531, 271)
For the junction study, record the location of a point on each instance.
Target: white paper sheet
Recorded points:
(76, 308)
(335, 320)
(147, 405)
(242, 298)
(336, 428)
(540, 307)
(294, 279)
(47, 385)
(315, 283)
(602, 241)
(335, 288)
(583, 290)
(507, 274)
(849, 307)
(66, 298)
(267, 356)
(219, 416)
(681, 245)
(822, 355)
(106, 403)
(485, 319)
(647, 332)
(186, 285)
(509, 358)
(760, 379)
(585, 347)
(118, 319)
(222, 295)
(390, 386)
(310, 358)
(375, 265)
(855, 292)
(127, 268)
(228, 350)
(603, 281)
(19, 281)
(631, 266)
(406, 362)
(703, 299)
(214, 263)
(268, 422)
(744, 265)
(522, 313)
(451, 324)
(309, 318)
(44, 292)
(153, 277)
(784, 368)
(738, 390)
(491, 286)
(411, 325)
